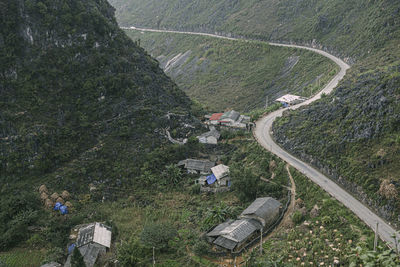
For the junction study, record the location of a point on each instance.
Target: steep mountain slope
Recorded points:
(242, 75)
(350, 28)
(353, 134)
(80, 103)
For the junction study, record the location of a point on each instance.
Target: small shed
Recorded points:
(265, 210)
(197, 166)
(288, 100)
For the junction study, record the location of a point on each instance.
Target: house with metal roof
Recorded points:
(232, 235)
(289, 100)
(230, 116)
(214, 119)
(93, 241)
(211, 137)
(197, 166)
(264, 209)
(221, 173)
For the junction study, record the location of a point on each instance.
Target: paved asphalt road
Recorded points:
(262, 133)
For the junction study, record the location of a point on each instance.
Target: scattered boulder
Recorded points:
(44, 196)
(65, 195)
(54, 196)
(59, 199)
(43, 189)
(314, 211)
(388, 190)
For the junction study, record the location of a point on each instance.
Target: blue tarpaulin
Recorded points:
(57, 206)
(71, 248)
(63, 210)
(211, 179)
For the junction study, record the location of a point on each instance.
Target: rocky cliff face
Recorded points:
(73, 87)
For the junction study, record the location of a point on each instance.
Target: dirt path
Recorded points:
(286, 219)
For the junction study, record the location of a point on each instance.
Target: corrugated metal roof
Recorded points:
(102, 235)
(95, 232)
(85, 235)
(217, 230)
(198, 165)
(232, 115)
(216, 116)
(90, 253)
(213, 133)
(225, 243)
(262, 207)
(239, 230)
(220, 171)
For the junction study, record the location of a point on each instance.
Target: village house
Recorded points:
(290, 100)
(93, 241)
(215, 118)
(230, 119)
(232, 235)
(197, 166)
(217, 181)
(211, 137)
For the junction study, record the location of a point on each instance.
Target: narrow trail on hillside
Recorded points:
(263, 135)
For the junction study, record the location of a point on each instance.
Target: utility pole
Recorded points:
(376, 236)
(154, 259)
(261, 233)
(266, 102)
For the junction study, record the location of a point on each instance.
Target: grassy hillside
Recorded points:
(350, 28)
(224, 74)
(80, 104)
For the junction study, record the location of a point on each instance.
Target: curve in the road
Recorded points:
(263, 135)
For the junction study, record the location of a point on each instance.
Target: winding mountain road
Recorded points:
(263, 135)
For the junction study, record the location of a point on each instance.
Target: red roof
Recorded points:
(216, 116)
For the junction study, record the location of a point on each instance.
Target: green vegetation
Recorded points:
(223, 74)
(323, 230)
(80, 104)
(21, 257)
(351, 28)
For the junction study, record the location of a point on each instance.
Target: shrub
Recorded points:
(158, 235)
(201, 248)
(132, 253)
(297, 217)
(195, 189)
